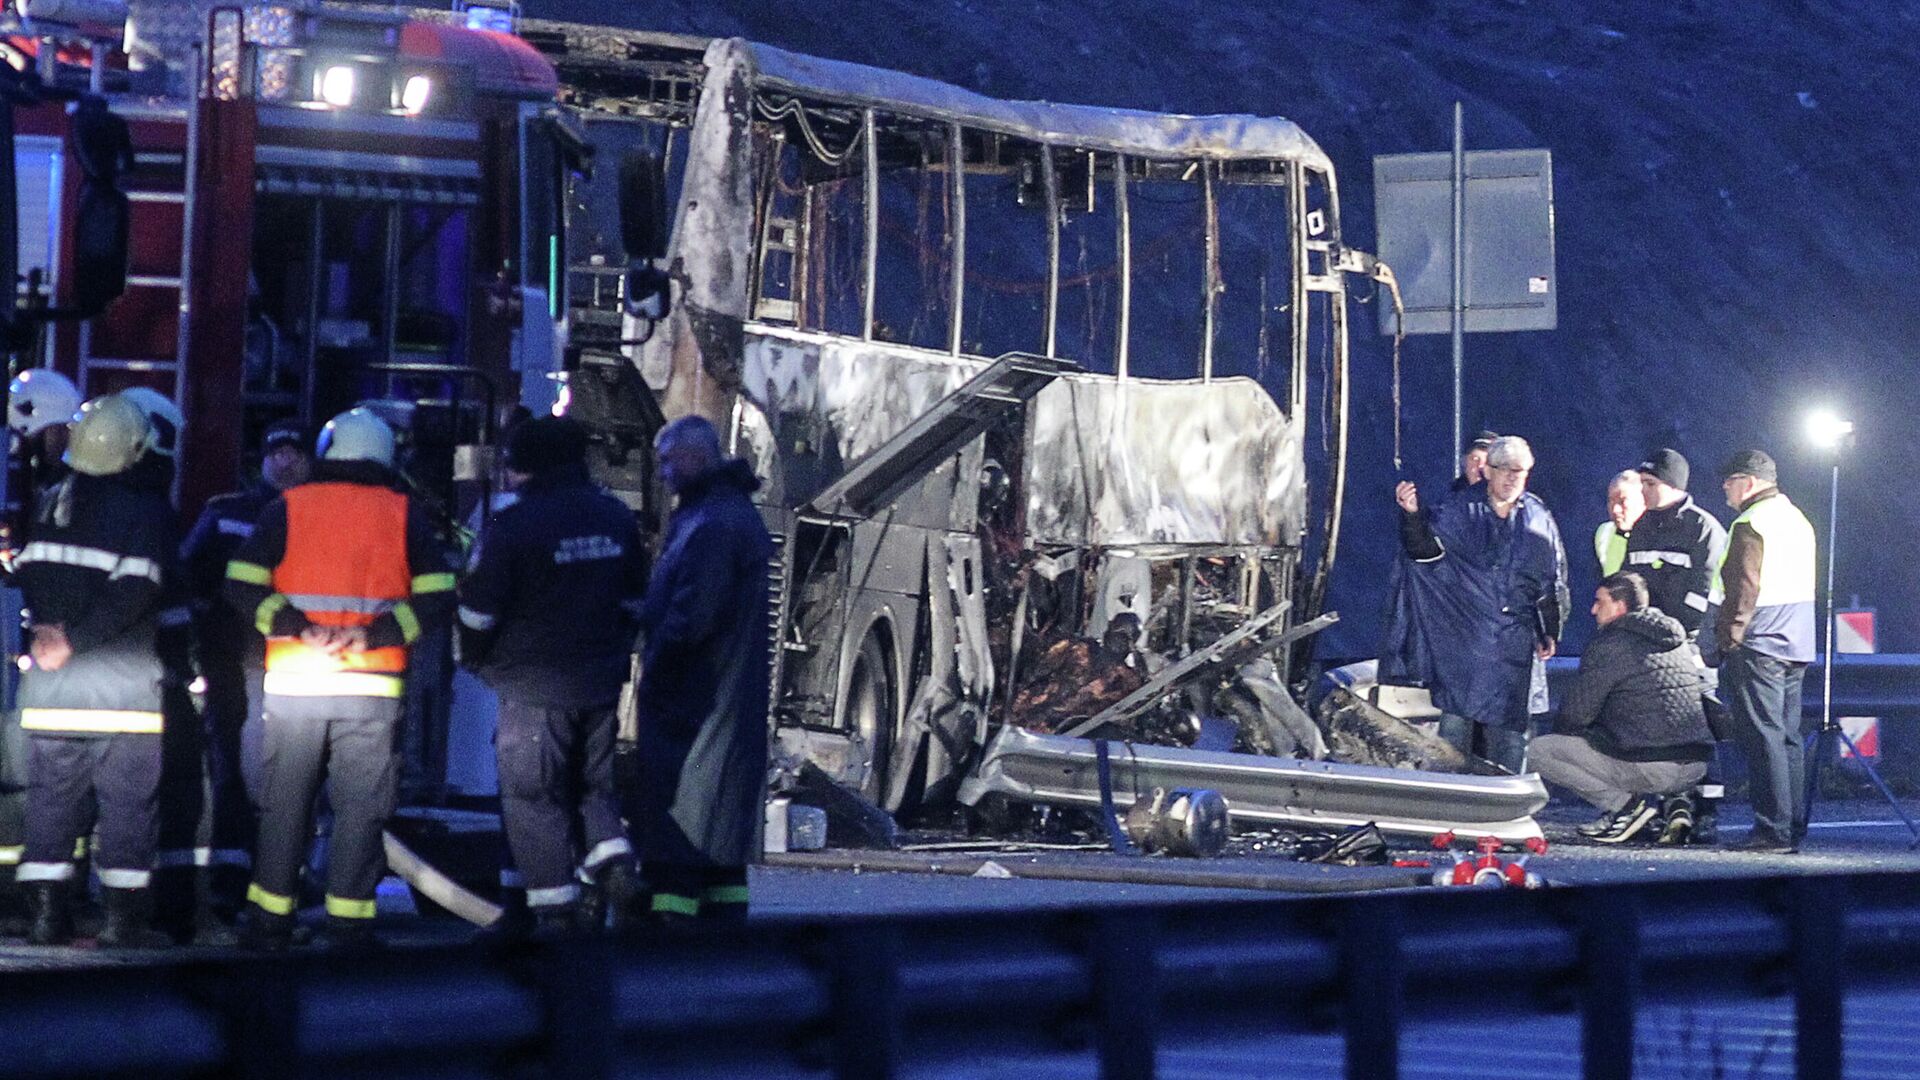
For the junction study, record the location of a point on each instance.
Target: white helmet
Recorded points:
(39, 398)
(163, 415)
(357, 435)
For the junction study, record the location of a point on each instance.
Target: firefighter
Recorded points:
(702, 697)
(546, 619)
(230, 656)
(341, 575)
(90, 701)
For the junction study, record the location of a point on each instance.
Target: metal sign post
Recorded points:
(1459, 275)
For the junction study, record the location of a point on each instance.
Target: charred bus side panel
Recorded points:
(851, 246)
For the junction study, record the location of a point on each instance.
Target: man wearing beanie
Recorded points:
(547, 619)
(1473, 461)
(1763, 629)
(1675, 546)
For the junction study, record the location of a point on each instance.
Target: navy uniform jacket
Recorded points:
(547, 610)
(1678, 552)
(225, 635)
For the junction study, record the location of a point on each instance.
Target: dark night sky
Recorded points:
(1734, 244)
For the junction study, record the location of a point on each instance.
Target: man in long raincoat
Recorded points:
(1479, 595)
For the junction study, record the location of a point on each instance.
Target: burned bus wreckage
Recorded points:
(1028, 385)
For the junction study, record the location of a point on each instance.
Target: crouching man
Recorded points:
(1631, 729)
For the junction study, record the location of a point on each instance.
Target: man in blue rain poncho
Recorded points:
(1479, 593)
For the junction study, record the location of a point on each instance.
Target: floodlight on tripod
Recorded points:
(1831, 434)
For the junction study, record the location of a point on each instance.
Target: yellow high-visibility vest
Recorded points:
(1787, 564)
(1610, 547)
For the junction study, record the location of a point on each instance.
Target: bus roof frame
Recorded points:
(1135, 133)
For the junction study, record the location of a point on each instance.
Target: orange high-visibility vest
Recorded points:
(345, 565)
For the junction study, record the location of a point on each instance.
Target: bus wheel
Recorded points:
(870, 712)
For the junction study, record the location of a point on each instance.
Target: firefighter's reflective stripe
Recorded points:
(358, 605)
(1657, 559)
(431, 583)
(263, 615)
(43, 871)
(251, 573)
(116, 721)
(271, 903)
(725, 894)
(477, 620)
(92, 558)
(675, 904)
(606, 850)
(233, 527)
(342, 908)
(124, 879)
(559, 894)
(409, 622)
(10, 856)
(335, 684)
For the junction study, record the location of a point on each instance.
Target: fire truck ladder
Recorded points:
(873, 482)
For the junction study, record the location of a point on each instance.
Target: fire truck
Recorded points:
(1018, 375)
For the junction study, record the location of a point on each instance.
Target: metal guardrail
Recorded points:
(881, 997)
(1864, 684)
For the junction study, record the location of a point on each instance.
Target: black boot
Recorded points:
(263, 931)
(553, 922)
(129, 915)
(620, 886)
(52, 917)
(608, 892)
(347, 937)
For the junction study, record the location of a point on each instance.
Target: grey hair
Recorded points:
(1628, 478)
(690, 433)
(1510, 452)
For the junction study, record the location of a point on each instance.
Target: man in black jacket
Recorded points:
(702, 697)
(230, 654)
(1675, 546)
(1631, 728)
(547, 620)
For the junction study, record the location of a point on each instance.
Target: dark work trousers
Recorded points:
(233, 725)
(1763, 694)
(349, 744)
(184, 826)
(557, 799)
(72, 778)
(711, 892)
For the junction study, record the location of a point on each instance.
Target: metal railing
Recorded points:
(880, 997)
